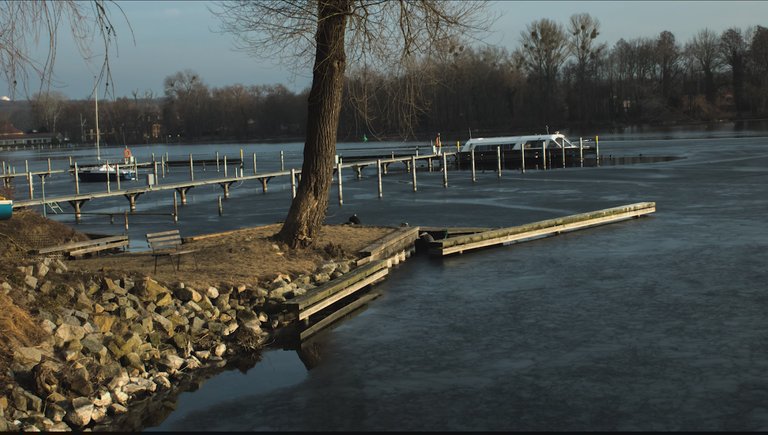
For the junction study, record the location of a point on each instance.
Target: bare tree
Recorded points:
(544, 48)
(734, 48)
(46, 108)
(26, 23)
(583, 30)
(384, 35)
(668, 61)
(703, 51)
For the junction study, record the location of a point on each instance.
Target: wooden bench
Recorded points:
(77, 249)
(167, 244)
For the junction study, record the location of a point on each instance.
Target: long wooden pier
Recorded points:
(545, 228)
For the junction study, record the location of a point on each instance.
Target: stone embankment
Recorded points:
(113, 341)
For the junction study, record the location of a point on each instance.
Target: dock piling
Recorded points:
(472, 159)
(413, 172)
(378, 174)
(338, 175)
(445, 170)
(498, 162)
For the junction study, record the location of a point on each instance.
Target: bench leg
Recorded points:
(155, 263)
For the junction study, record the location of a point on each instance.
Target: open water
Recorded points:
(654, 324)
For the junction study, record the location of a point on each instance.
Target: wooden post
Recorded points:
(70, 160)
(293, 182)
(563, 153)
(378, 174)
(77, 180)
(154, 171)
(162, 166)
(597, 151)
(225, 165)
(429, 163)
(254, 163)
(522, 158)
(26, 165)
(125, 213)
(498, 161)
(472, 159)
(581, 152)
(338, 175)
(544, 155)
(241, 159)
(458, 150)
(445, 170)
(191, 168)
(49, 164)
(221, 207)
(42, 192)
(117, 174)
(217, 161)
(175, 207)
(282, 160)
(108, 185)
(413, 171)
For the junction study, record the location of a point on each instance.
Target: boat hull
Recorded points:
(101, 176)
(6, 209)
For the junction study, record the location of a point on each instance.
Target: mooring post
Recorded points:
(221, 207)
(77, 181)
(429, 163)
(241, 159)
(191, 168)
(293, 182)
(26, 165)
(254, 163)
(282, 160)
(472, 162)
(597, 151)
(544, 156)
(117, 175)
(522, 158)
(175, 207)
(338, 175)
(125, 213)
(154, 171)
(581, 152)
(445, 170)
(498, 161)
(413, 172)
(563, 148)
(378, 175)
(49, 165)
(42, 192)
(217, 161)
(225, 165)
(70, 160)
(108, 185)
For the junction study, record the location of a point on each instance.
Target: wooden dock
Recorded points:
(545, 228)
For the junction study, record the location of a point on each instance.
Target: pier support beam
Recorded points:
(225, 185)
(132, 199)
(77, 204)
(264, 182)
(183, 193)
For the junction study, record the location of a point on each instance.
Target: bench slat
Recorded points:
(112, 245)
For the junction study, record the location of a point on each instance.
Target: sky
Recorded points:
(172, 36)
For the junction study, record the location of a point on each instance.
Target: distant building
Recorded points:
(10, 135)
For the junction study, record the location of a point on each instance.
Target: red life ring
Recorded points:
(127, 153)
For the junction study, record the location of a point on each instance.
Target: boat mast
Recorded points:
(96, 94)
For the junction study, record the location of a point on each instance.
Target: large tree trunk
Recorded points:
(307, 213)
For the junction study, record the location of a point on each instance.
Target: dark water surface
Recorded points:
(657, 323)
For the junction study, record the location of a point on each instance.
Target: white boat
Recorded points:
(101, 172)
(515, 143)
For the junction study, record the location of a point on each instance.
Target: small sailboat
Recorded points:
(101, 172)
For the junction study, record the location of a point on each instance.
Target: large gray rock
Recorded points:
(80, 414)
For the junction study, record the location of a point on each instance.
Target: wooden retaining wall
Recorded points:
(453, 245)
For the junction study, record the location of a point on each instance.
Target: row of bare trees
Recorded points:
(559, 76)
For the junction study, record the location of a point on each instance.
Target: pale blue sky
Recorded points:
(172, 36)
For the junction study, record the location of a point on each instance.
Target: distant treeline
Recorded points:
(560, 77)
